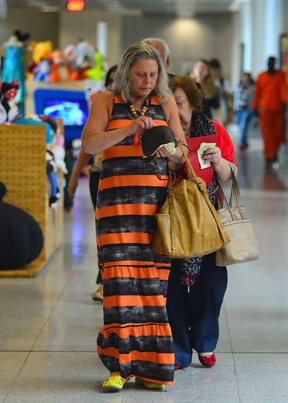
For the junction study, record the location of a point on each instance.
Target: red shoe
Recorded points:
(176, 366)
(207, 360)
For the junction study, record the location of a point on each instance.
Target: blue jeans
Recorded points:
(193, 315)
(243, 118)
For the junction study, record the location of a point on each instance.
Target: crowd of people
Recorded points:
(157, 310)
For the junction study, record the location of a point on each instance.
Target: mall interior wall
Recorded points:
(41, 26)
(188, 39)
(204, 37)
(216, 35)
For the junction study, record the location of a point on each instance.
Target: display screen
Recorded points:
(72, 112)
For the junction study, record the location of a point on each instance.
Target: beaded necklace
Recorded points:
(144, 109)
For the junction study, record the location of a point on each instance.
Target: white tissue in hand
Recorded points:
(170, 147)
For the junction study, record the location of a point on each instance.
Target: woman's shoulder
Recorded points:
(169, 100)
(219, 128)
(222, 133)
(102, 103)
(102, 96)
(169, 105)
(225, 143)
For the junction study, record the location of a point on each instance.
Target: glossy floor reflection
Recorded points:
(49, 324)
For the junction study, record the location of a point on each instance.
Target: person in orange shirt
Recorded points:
(269, 103)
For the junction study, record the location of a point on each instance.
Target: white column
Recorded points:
(3, 9)
(102, 37)
(274, 24)
(246, 14)
(242, 40)
(268, 25)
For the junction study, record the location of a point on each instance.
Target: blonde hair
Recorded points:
(135, 52)
(208, 83)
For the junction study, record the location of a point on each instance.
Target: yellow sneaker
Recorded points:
(150, 385)
(114, 383)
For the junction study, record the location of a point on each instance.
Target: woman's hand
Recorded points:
(162, 152)
(175, 160)
(72, 185)
(220, 165)
(141, 124)
(212, 154)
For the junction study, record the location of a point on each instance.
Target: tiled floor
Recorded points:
(49, 324)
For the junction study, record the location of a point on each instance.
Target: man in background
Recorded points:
(269, 104)
(163, 49)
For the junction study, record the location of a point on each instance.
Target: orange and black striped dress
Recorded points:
(136, 338)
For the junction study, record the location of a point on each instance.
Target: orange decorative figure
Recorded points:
(56, 62)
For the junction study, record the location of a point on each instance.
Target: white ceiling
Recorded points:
(128, 7)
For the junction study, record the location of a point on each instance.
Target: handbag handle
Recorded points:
(190, 170)
(235, 197)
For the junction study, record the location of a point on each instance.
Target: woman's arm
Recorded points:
(171, 112)
(82, 160)
(224, 169)
(94, 134)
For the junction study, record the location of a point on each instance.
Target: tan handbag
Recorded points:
(243, 246)
(188, 224)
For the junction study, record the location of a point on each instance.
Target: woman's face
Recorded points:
(144, 74)
(245, 79)
(200, 70)
(185, 109)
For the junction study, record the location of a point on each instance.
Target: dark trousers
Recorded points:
(193, 314)
(93, 188)
(243, 119)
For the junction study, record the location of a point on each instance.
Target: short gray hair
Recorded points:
(159, 43)
(133, 53)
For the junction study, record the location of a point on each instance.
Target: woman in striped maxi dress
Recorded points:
(135, 340)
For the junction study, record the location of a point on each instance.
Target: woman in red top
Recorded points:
(197, 286)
